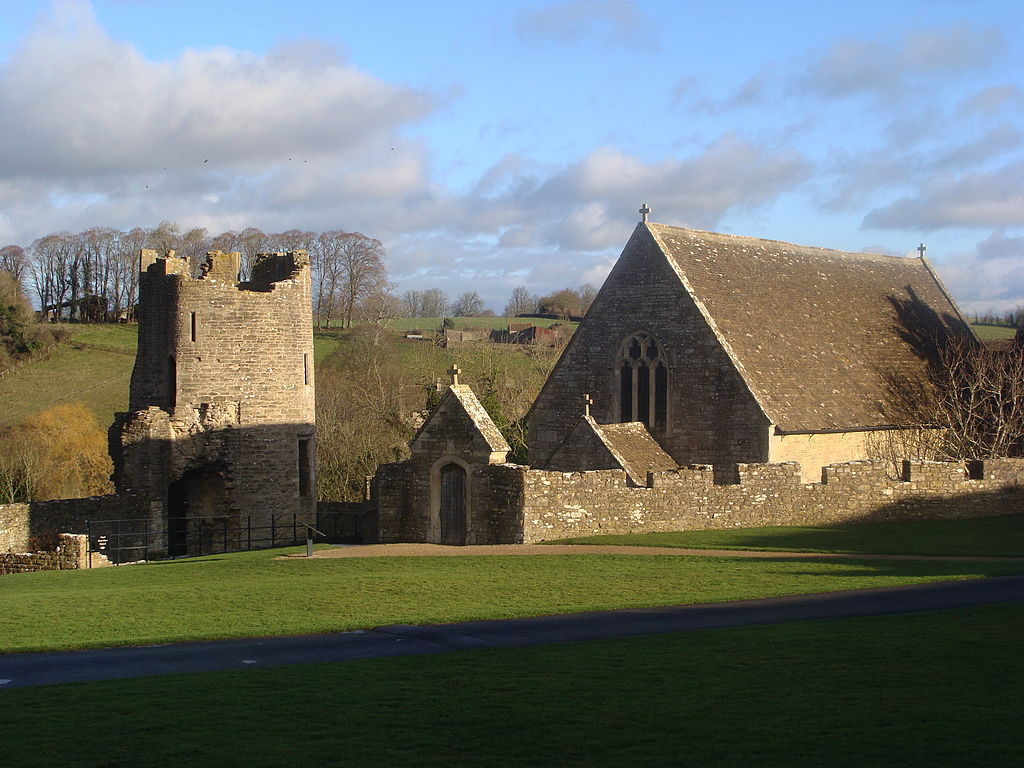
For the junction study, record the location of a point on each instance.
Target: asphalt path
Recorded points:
(32, 669)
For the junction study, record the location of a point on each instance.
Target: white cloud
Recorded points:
(77, 102)
(983, 199)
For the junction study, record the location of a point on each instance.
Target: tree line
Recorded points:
(92, 276)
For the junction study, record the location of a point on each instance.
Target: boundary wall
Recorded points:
(559, 505)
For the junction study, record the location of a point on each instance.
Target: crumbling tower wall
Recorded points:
(221, 410)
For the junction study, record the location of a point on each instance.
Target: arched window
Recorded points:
(643, 381)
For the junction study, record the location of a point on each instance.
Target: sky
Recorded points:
(495, 144)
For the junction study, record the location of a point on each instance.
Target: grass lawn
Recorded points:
(255, 594)
(97, 377)
(988, 536)
(993, 331)
(930, 689)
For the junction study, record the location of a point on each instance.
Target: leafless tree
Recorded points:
(435, 303)
(970, 406)
(521, 302)
(468, 304)
(13, 259)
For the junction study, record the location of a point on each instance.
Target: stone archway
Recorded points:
(453, 487)
(197, 512)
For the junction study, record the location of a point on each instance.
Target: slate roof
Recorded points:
(816, 333)
(633, 447)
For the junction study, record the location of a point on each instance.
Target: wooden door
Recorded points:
(453, 504)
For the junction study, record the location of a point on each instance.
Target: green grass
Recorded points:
(118, 337)
(94, 368)
(989, 536)
(98, 378)
(993, 331)
(930, 689)
(255, 594)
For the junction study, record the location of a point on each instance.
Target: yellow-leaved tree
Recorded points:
(57, 453)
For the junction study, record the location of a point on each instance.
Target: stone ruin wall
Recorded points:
(223, 382)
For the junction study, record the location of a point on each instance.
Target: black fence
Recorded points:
(133, 539)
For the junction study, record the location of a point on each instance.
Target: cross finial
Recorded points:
(587, 402)
(921, 249)
(644, 210)
(454, 373)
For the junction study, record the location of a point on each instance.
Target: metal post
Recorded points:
(248, 529)
(225, 534)
(273, 530)
(88, 541)
(295, 530)
(309, 543)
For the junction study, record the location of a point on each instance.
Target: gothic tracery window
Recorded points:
(643, 381)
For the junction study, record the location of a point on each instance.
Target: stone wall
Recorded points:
(222, 397)
(72, 553)
(559, 505)
(20, 522)
(516, 504)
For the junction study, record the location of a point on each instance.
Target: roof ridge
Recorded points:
(815, 248)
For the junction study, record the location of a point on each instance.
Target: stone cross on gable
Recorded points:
(454, 373)
(644, 211)
(587, 402)
(921, 249)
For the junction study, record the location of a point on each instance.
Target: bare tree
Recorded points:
(469, 304)
(13, 259)
(521, 302)
(435, 303)
(970, 406)
(362, 271)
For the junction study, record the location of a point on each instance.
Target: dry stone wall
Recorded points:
(72, 553)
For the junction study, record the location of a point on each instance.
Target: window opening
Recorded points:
(305, 368)
(304, 473)
(172, 382)
(193, 324)
(643, 382)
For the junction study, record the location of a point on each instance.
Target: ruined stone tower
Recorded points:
(219, 437)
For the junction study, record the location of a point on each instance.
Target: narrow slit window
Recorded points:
(193, 325)
(304, 473)
(305, 368)
(172, 383)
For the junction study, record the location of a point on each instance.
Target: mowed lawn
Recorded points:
(930, 689)
(989, 536)
(258, 593)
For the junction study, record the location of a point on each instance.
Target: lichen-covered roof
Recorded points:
(816, 333)
(479, 416)
(634, 448)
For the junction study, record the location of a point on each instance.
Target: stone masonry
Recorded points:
(221, 410)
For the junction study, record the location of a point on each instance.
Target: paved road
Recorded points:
(31, 669)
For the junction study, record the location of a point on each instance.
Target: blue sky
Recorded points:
(493, 144)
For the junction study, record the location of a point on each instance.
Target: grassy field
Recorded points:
(94, 368)
(255, 593)
(931, 689)
(993, 331)
(461, 323)
(990, 536)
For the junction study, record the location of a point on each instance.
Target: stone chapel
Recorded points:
(716, 380)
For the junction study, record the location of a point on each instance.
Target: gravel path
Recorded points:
(439, 550)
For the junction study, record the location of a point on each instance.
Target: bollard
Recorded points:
(309, 545)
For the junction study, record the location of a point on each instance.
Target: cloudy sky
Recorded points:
(491, 144)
